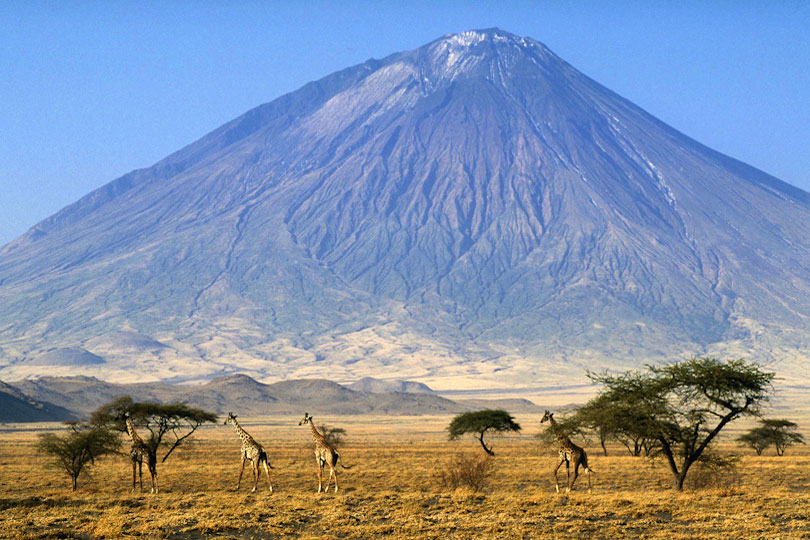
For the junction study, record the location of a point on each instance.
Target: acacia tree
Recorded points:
(775, 432)
(168, 425)
(79, 448)
(479, 422)
(613, 417)
(685, 405)
(757, 439)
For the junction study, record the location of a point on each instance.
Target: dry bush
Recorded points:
(335, 436)
(713, 470)
(465, 471)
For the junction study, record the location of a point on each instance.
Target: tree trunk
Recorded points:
(484, 446)
(680, 477)
(74, 482)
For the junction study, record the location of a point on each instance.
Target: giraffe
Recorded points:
(569, 452)
(324, 455)
(137, 453)
(254, 452)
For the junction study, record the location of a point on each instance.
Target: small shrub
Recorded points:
(335, 436)
(78, 448)
(465, 471)
(713, 470)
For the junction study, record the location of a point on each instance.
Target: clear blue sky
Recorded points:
(92, 90)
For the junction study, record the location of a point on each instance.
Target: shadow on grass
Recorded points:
(40, 502)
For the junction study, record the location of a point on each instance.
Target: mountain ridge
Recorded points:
(473, 210)
(71, 398)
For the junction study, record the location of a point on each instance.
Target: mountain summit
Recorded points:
(473, 212)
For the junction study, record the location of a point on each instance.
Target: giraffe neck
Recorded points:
(561, 437)
(132, 433)
(244, 435)
(315, 433)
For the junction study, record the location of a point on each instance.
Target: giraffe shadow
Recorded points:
(37, 502)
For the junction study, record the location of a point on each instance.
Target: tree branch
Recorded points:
(178, 441)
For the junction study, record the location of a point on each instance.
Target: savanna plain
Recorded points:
(394, 489)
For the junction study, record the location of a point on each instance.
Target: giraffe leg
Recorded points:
(134, 473)
(153, 472)
(556, 483)
(320, 476)
(241, 470)
(152, 466)
(588, 470)
(270, 482)
(332, 474)
(255, 468)
(568, 475)
(573, 478)
(140, 473)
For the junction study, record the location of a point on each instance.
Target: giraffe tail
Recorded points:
(585, 464)
(340, 461)
(263, 458)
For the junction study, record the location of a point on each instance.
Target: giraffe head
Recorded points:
(231, 419)
(307, 419)
(548, 417)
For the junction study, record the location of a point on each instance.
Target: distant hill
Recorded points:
(17, 407)
(513, 405)
(370, 384)
(242, 394)
(74, 357)
(85, 394)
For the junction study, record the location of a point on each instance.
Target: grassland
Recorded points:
(392, 491)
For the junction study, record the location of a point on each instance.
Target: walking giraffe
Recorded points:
(254, 452)
(569, 453)
(137, 453)
(324, 454)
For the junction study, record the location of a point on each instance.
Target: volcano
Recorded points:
(472, 213)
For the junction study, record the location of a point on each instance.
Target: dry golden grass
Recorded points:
(392, 491)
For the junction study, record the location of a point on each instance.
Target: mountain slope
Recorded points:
(370, 384)
(232, 393)
(473, 212)
(18, 407)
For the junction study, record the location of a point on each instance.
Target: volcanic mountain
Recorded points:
(475, 212)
